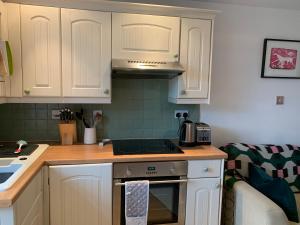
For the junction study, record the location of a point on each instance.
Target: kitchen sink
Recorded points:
(7, 171)
(5, 162)
(12, 168)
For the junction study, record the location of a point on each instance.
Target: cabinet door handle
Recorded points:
(27, 92)
(183, 92)
(159, 182)
(218, 185)
(176, 56)
(106, 91)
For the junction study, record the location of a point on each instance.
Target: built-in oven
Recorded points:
(167, 190)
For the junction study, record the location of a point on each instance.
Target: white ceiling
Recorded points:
(281, 4)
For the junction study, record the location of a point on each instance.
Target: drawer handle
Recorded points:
(27, 92)
(106, 91)
(206, 169)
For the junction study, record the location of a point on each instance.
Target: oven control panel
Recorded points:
(150, 169)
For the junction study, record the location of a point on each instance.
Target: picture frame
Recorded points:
(281, 59)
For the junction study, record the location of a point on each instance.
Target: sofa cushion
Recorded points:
(266, 185)
(278, 161)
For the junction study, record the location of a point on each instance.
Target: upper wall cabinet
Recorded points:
(145, 37)
(86, 53)
(41, 61)
(195, 56)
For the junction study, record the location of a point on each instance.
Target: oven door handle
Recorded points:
(159, 182)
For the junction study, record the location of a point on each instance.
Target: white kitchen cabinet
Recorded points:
(195, 56)
(4, 80)
(203, 201)
(29, 207)
(14, 83)
(145, 37)
(86, 53)
(2, 88)
(41, 51)
(204, 192)
(81, 194)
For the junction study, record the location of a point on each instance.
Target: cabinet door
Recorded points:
(86, 55)
(29, 206)
(203, 200)
(40, 35)
(145, 37)
(2, 88)
(195, 54)
(81, 194)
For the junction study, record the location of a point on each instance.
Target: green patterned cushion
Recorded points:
(278, 161)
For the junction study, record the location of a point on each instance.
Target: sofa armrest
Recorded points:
(254, 208)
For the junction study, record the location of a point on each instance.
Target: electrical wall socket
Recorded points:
(181, 113)
(55, 114)
(95, 112)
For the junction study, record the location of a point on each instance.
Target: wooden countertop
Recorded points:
(83, 154)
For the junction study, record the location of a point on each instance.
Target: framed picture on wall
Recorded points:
(281, 59)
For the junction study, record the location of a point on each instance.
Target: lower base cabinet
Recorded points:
(81, 194)
(202, 205)
(29, 207)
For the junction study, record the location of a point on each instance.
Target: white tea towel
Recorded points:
(136, 202)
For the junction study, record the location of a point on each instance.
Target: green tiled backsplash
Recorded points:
(139, 109)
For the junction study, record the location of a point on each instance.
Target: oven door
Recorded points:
(167, 198)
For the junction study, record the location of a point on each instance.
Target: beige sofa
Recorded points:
(253, 208)
(243, 204)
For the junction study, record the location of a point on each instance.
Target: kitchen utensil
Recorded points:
(97, 119)
(187, 134)
(80, 116)
(20, 143)
(66, 115)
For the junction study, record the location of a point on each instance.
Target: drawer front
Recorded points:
(204, 168)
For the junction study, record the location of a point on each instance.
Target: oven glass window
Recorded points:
(163, 204)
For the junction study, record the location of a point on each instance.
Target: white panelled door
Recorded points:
(202, 204)
(29, 206)
(81, 194)
(41, 51)
(145, 37)
(195, 57)
(86, 53)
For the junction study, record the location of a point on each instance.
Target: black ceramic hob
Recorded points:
(144, 146)
(7, 150)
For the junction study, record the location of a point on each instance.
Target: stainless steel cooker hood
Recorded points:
(144, 69)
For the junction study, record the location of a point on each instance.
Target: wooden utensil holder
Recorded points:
(68, 133)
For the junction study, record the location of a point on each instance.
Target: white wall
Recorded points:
(243, 106)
